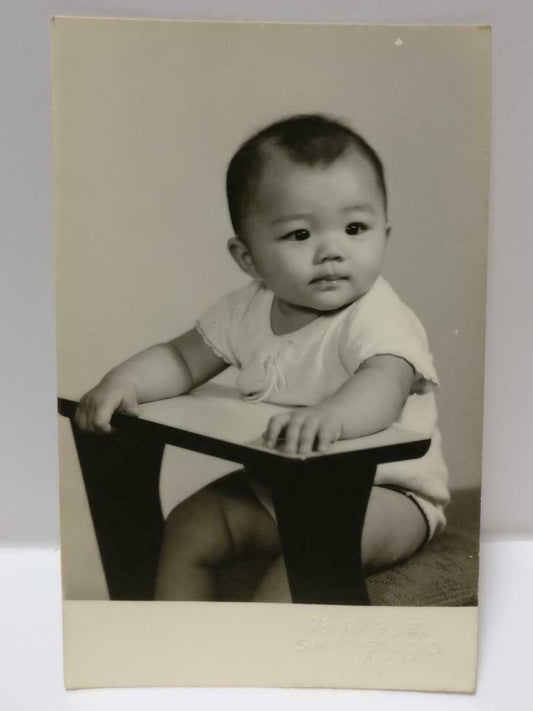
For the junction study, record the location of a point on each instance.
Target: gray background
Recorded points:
(28, 465)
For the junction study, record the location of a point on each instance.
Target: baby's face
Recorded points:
(316, 235)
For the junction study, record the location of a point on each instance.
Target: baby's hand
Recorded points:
(98, 405)
(304, 428)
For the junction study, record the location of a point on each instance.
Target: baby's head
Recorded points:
(308, 203)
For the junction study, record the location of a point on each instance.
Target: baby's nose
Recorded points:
(329, 249)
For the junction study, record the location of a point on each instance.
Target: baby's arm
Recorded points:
(161, 371)
(370, 401)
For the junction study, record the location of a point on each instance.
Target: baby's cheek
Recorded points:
(368, 272)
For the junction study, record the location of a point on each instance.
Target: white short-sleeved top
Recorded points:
(306, 366)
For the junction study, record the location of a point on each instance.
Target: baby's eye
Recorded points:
(298, 235)
(355, 228)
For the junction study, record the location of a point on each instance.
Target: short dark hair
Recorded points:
(309, 139)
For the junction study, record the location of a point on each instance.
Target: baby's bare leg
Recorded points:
(218, 525)
(274, 586)
(394, 529)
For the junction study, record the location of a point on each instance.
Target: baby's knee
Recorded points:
(192, 511)
(196, 529)
(394, 530)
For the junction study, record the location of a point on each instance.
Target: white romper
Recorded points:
(308, 365)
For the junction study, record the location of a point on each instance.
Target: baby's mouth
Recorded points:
(327, 278)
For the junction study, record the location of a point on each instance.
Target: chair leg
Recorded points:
(121, 475)
(321, 506)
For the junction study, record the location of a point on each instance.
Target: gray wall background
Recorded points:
(28, 465)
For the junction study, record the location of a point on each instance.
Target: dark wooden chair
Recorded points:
(121, 474)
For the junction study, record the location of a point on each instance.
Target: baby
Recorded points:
(318, 330)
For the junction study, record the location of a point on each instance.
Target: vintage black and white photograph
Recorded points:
(271, 264)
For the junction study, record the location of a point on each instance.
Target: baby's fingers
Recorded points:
(80, 417)
(308, 435)
(101, 422)
(83, 414)
(94, 414)
(101, 415)
(293, 432)
(327, 434)
(275, 428)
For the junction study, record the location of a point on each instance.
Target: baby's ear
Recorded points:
(241, 254)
